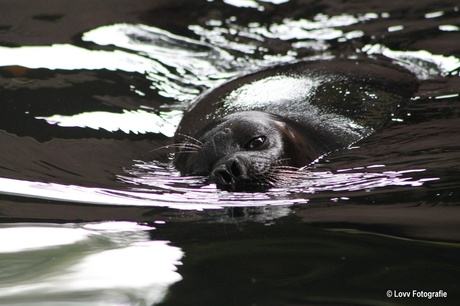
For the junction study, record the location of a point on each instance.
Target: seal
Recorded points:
(254, 131)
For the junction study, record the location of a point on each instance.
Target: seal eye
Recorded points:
(255, 143)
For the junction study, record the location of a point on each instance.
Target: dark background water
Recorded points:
(381, 215)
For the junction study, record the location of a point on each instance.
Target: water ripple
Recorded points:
(162, 187)
(110, 263)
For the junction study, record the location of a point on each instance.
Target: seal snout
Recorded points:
(229, 173)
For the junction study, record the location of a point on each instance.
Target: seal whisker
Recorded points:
(160, 148)
(272, 180)
(189, 144)
(290, 173)
(191, 138)
(291, 168)
(281, 175)
(186, 148)
(186, 145)
(280, 160)
(186, 152)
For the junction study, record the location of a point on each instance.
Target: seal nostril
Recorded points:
(235, 169)
(223, 177)
(226, 177)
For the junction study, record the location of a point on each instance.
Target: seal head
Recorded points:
(245, 151)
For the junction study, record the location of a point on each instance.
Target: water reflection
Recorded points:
(434, 14)
(112, 263)
(182, 65)
(176, 66)
(423, 63)
(449, 28)
(137, 122)
(252, 3)
(179, 68)
(116, 263)
(69, 57)
(192, 193)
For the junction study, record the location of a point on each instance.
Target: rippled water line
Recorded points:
(28, 238)
(424, 64)
(69, 57)
(304, 183)
(168, 194)
(93, 195)
(110, 263)
(181, 198)
(137, 121)
(174, 64)
(154, 46)
(168, 83)
(197, 63)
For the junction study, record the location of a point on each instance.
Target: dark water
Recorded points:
(93, 214)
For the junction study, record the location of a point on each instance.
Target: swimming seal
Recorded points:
(248, 133)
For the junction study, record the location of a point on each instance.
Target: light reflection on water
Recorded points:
(252, 3)
(424, 64)
(162, 187)
(112, 263)
(180, 62)
(116, 262)
(137, 122)
(180, 67)
(69, 57)
(196, 64)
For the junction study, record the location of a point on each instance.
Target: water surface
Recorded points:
(89, 95)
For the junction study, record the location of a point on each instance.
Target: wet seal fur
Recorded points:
(256, 130)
